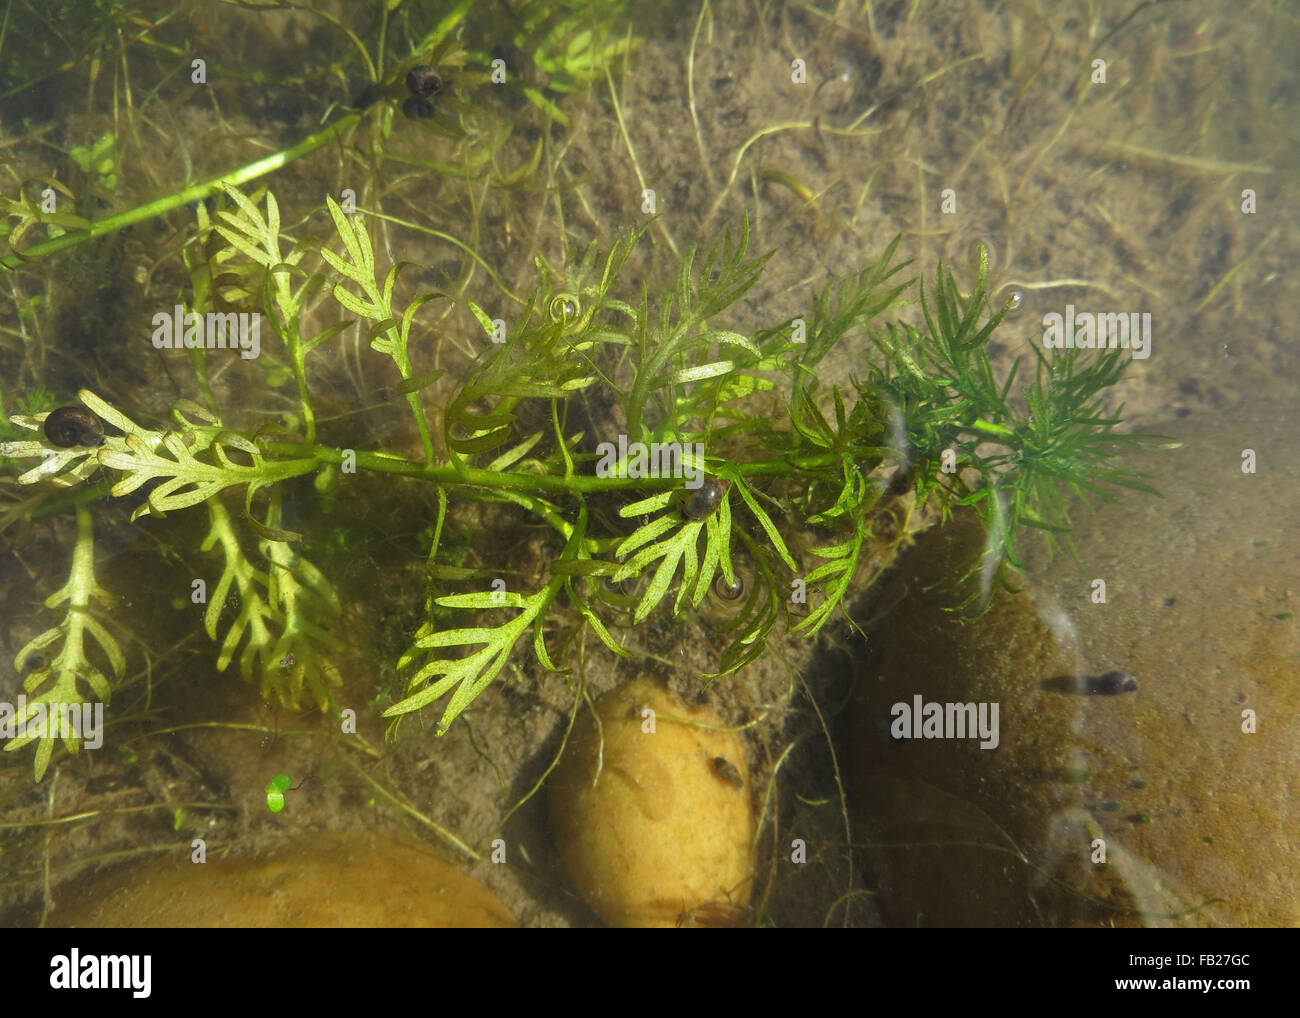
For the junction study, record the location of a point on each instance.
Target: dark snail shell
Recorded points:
(71, 426)
(416, 108)
(423, 81)
(705, 499)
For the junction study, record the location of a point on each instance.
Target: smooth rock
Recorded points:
(326, 880)
(1197, 817)
(655, 828)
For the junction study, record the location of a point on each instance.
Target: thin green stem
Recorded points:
(196, 192)
(586, 484)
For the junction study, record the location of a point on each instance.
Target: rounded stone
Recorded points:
(655, 827)
(1145, 762)
(341, 880)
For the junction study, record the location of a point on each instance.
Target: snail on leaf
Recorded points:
(71, 426)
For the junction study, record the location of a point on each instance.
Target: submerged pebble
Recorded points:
(655, 827)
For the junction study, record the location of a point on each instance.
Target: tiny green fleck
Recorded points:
(1139, 784)
(1078, 777)
(1111, 806)
(1284, 615)
(1140, 818)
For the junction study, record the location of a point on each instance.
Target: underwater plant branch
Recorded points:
(585, 484)
(72, 662)
(456, 241)
(187, 480)
(390, 334)
(308, 605)
(446, 26)
(684, 313)
(927, 392)
(470, 675)
(178, 199)
(941, 386)
(282, 614)
(142, 455)
(257, 237)
(237, 575)
(141, 463)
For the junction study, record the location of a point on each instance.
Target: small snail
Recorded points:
(628, 587)
(71, 426)
(728, 591)
(416, 108)
(423, 81)
(705, 499)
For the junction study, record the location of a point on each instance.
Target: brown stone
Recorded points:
(1198, 819)
(318, 880)
(656, 828)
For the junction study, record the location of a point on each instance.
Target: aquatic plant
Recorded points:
(787, 461)
(735, 469)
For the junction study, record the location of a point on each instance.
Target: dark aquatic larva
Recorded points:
(423, 81)
(705, 499)
(1111, 683)
(726, 771)
(71, 426)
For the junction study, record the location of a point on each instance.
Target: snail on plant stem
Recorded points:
(423, 81)
(71, 426)
(704, 500)
(415, 108)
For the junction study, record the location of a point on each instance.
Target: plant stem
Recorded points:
(584, 483)
(195, 192)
